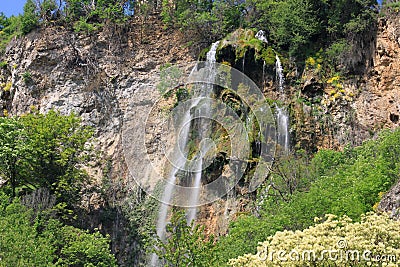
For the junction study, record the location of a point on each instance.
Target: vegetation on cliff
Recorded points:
(41, 184)
(342, 183)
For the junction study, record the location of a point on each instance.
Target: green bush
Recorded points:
(186, 245)
(44, 150)
(27, 76)
(27, 240)
(340, 183)
(20, 244)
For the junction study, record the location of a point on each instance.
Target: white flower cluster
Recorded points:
(374, 241)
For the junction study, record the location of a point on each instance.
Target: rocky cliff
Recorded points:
(110, 76)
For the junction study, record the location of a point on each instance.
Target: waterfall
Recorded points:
(282, 116)
(179, 164)
(205, 112)
(180, 153)
(263, 75)
(279, 74)
(260, 35)
(243, 61)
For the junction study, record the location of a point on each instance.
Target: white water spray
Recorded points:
(180, 154)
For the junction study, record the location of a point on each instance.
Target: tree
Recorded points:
(291, 23)
(76, 247)
(60, 148)
(15, 153)
(29, 241)
(47, 10)
(20, 245)
(186, 245)
(44, 150)
(30, 17)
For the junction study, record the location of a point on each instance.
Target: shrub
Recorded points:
(340, 183)
(27, 76)
(335, 242)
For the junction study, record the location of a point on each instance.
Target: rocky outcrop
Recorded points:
(391, 202)
(378, 105)
(110, 77)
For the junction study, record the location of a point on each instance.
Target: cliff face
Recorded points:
(111, 76)
(382, 103)
(101, 77)
(379, 105)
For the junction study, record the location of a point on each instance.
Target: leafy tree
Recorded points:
(60, 148)
(15, 153)
(292, 23)
(30, 18)
(48, 10)
(3, 21)
(9, 27)
(76, 247)
(44, 150)
(186, 245)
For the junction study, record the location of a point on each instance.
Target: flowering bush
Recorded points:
(374, 241)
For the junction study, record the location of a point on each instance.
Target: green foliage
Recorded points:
(204, 17)
(330, 242)
(44, 150)
(9, 27)
(336, 51)
(96, 12)
(170, 78)
(15, 152)
(186, 244)
(395, 6)
(59, 148)
(3, 64)
(76, 247)
(292, 23)
(30, 18)
(341, 183)
(27, 76)
(269, 56)
(20, 244)
(29, 241)
(83, 26)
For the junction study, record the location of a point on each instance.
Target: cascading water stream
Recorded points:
(282, 118)
(260, 35)
(282, 115)
(279, 74)
(180, 153)
(204, 112)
